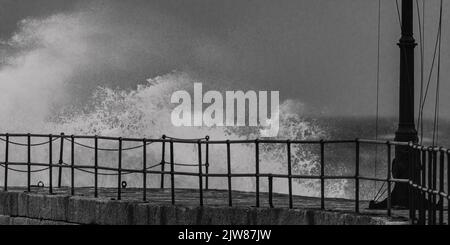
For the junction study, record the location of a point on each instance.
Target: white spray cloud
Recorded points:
(57, 56)
(32, 79)
(60, 59)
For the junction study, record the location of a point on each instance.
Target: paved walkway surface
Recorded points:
(190, 197)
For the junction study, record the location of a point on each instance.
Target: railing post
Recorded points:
(416, 182)
(200, 172)
(60, 162)
(50, 164)
(270, 178)
(119, 176)
(28, 162)
(96, 166)
(412, 174)
(72, 165)
(416, 177)
(163, 160)
(357, 177)
(144, 169)
(5, 188)
(434, 185)
(389, 179)
(422, 213)
(289, 173)
(448, 187)
(429, 185)
(230, 198)
(172, 172)
(257, 171)
(441, 186)
(207, 163)
(322, 174)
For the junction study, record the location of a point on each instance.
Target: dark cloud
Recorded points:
(13, 11)
(320, 52)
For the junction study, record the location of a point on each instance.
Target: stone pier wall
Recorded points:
(35, 209)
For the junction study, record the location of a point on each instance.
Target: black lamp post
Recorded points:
(406, 131)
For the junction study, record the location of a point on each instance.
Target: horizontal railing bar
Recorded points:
(335, 177)
(338, 141)
(370, 141)
(262, 141)
(430, 148)
(26, 164)
(210, 174)
(382, 142)
(203, 141)
(373, 179)
(26, 135)
(126, 170)
(67, 136)
(395, 143)
(384, 180)
(429, 190)
(197, 139)
(399, 180)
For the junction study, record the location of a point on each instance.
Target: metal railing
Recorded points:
(425, 188)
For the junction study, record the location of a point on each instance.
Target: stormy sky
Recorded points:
(320, 52)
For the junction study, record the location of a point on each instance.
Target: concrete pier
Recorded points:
(18, 207)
